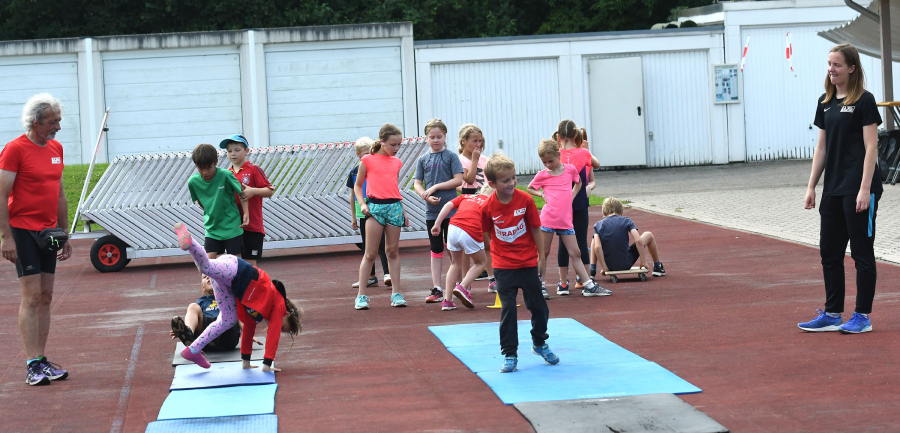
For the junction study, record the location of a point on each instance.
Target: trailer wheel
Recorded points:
(108, 254)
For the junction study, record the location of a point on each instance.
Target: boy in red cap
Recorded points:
(255, 185)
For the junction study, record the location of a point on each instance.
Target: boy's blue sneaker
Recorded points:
(822, 323)
(857, 324)
(544, 352)
(362, 302)
(397, 300)
(562, 290)
(509, 364)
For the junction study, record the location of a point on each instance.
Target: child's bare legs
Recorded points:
(476, 268)
(373, 239)
(392, 249)
(650, 243)
(574, 256)
(548, 242)
(456, 261)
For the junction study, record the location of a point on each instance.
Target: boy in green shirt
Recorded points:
(215, 190)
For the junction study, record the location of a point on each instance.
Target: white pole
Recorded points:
(87, 179)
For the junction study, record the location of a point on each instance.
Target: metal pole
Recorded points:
(87, 180)
(887, 74)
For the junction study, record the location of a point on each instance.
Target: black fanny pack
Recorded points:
(51, 240)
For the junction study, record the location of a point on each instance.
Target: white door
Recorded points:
(617, 111)
(57, 76)
(171, 103)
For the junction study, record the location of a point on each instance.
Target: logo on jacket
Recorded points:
(56, 160)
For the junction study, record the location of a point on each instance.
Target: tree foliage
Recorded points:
(432, 19)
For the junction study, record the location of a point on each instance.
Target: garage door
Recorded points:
(56, 76)
(171, 103)
(332, 93)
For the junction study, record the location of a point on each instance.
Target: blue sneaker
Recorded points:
(544, 352)
(509, 364)
(362, 302)
(397, 300)
(857, 324)
(822, 323)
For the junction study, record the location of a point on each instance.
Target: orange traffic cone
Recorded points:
(497, 303)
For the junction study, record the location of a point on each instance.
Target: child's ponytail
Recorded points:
(384, 134)
(582, 137)
(292, 312)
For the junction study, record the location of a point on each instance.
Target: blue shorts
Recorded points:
(387, 214)
(558, 231)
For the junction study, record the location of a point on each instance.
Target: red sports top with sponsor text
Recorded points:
(512, 244)
(251, 176)
(34, 198)
(468, 215)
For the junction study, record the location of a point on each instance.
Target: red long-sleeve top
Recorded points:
(265, 303)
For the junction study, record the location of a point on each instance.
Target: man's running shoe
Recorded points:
(362, 302)
(464, 296)
(482, 276)
(397, 300)
(34, 374)
(182, 331)
(447, 305)
(545, 352)
(857, 324)
(509, 364)
(592, 289)
(373, 281)
(436, 296)
(53, 371)
(659, 270)
(562, 290)
(822, 323)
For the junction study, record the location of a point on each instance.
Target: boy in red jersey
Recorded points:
(255, 186)
(507, 217)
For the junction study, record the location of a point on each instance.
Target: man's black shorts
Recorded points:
(30, 259)
(253, 245)
(233, 246)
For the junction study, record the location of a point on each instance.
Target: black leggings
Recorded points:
(381, 253)
(581, 220)
(841, 223)
(437, 242)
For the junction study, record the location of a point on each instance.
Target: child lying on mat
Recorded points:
(199, 316)
(610, 246)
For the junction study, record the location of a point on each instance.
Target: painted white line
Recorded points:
(126, 388)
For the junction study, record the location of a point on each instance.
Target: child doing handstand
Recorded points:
(200, 315)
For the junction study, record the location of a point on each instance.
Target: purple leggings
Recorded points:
(221, 271)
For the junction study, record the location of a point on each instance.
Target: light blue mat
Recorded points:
(218, 375)
(590, 366)
(223, 424)
(214, 402)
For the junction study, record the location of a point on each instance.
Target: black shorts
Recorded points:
(30, 260)
(233, 246)
(633, 256)
(227, 341)
(438, 242)
(253, 245)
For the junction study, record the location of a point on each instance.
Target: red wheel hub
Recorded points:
(109, 254)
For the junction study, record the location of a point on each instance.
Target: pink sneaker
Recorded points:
(492, 288)
(463, 294)
(184, 238)
(447, 305)
(196, 358)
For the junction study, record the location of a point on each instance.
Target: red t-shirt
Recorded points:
(262, 296)
(579, 157)
(510, 225)
(251, 176)
(468, 215)
(382, 173)
(34, 198)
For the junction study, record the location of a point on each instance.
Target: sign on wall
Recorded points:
(726, 82)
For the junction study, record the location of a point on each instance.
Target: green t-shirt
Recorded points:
(221, 216)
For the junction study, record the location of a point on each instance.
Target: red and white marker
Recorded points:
(744, 55)
(789, 50)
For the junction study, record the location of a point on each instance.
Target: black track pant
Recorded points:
(581, 221)
(840, 223)
(381, 253)
(509, 281)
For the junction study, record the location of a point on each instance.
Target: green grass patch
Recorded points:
(73, 181)
(594, 200)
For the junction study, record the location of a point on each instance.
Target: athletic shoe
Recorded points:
(464, 296)
(659, 270)
(579, 285)
(544, 352)
(447, 305)
(362, 302)
(34, 374)
(373, 281)
(482, 276)
(197, 358)
(397, 300)
(492, 288)
(182, 331)
(436, 296)
(544, 290)
(387, 280)
(562, 290)
(594, 290)
(822, 323)
(184, 238)
(857, 324)
(52, 371)
(509, 364)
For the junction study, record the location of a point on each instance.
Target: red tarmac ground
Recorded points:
(723, 319)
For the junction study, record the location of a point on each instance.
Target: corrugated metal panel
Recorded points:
(332, 94)
(676, 102)
(171, 103)
(513, 101)
(18, 82)
(780, 105)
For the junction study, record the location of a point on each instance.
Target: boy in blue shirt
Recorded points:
(610, 246)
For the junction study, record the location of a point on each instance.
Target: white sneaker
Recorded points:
(387, 280)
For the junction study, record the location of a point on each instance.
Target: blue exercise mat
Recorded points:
(219, 375)
(222, 424)
(215, 402)
(590, 365)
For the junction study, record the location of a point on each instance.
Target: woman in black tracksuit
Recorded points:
(847, 148)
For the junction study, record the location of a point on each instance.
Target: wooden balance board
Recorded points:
(641, 272)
